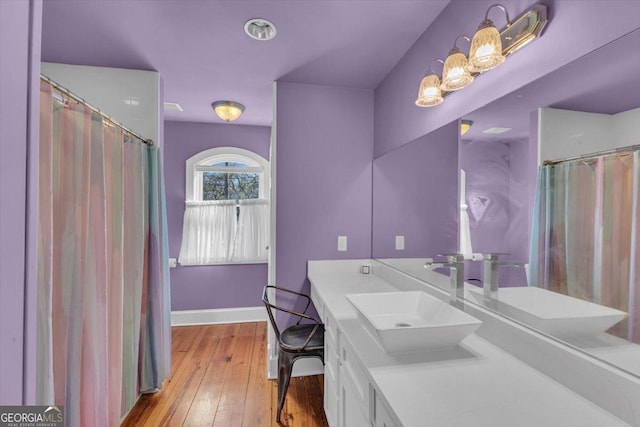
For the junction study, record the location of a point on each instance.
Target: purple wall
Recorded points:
(19, 81)
(576, 28)
(219, 286)
(324, 148)
(415, 195)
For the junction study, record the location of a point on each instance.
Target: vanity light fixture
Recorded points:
(227, 110)
(486, 47)
(455, 74)
(430, 94)
(260, 29)
(485, 53)
(465, 125)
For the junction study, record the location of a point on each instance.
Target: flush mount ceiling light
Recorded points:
(455, 74)
(430, 93)
(486, 52)
(465, 125)
(228, 110)
(486, 47)
(260, 29)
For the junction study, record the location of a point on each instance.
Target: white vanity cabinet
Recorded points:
(354, 389)
(381, 413)
(350, 398)
(331, 371)
(467, 385)
(331, 361)
(342, 397)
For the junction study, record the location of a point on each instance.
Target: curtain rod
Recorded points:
(105, 116)
(592, 155)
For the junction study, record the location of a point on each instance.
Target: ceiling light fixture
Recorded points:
(227, 110)
(172, 106)
(260, 29)
(496, 130)
(455, 74)
(465, 125)
(430, 93)
(485, 53)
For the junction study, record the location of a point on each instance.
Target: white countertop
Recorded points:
(476, 384)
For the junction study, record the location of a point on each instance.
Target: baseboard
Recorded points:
(218, 315)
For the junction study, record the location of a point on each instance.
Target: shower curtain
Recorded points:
(586, 233)
(103, 284)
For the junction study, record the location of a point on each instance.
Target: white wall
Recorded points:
(564, 133)
(626, 127)
(132, 97)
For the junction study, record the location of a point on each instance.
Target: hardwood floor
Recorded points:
(219, 379)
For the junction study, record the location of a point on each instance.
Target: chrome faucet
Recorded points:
(490, 275)
(455, 263)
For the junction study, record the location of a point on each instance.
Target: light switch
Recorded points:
(173, 263)
(342, 243)
(399, 243)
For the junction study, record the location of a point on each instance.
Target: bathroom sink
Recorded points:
(552, 312)
(405, 322)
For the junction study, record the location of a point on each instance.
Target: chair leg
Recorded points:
(285, 366)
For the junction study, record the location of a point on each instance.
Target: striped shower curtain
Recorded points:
(103, 288)
(586, 233)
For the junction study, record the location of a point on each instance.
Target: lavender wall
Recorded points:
(415, 195)
(207, 287)
(324, 153)
(576, 28)
(19, 48)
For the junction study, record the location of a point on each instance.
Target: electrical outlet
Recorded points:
(399, 243)
(342, 243)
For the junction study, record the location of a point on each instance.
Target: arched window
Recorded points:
(226, 219)
(227, 173)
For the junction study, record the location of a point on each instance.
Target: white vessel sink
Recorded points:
(406, 322)
(552, 312)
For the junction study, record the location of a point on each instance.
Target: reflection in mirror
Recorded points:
(414, 203)
(497, 200)
(578, 225)
(415, 189)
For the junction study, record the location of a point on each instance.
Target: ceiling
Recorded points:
(202, 54)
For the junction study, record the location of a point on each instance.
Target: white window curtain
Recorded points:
(214, 233)
(252, 236)
(208, 232)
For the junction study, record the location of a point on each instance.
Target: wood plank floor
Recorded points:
(218, 378)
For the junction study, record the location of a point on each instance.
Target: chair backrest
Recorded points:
(270, 307)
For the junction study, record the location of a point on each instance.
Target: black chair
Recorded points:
(295, 342)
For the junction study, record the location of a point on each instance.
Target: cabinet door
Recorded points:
(383, 415)
(331, 400)
(351, 414)
(331, 372)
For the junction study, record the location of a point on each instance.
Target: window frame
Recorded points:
(197, 163)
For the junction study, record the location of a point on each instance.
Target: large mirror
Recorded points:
(546, 177)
